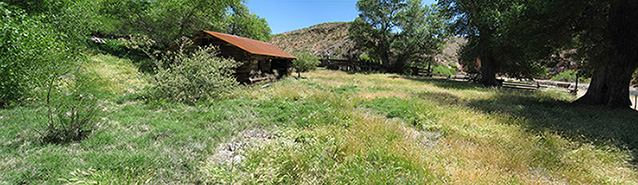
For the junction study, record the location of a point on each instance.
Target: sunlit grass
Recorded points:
(333, 128)
(117, 75)
(433, 131)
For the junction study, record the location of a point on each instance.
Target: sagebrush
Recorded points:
(190, 76)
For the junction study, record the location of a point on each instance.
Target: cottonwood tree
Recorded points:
(482, 22)
(395, 30)
(239, 21)
(604, 34)
(422, 35)
(166, 21)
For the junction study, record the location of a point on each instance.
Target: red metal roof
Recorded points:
(252, 46)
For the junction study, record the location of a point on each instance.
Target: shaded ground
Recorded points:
(582, 123)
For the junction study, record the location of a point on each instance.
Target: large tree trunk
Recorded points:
(385, 60)
(488, 71)
(609, 86)
(618, 61)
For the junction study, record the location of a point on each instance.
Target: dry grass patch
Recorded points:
(117, 75)
(370, 150)
(475, 147)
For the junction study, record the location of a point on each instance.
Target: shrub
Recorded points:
(31, 53)
(188, 77)
(72, 110)
(305, 62)
(443, 70)
(568, 76)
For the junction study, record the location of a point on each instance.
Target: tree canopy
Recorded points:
(485, 24)
(602, 32)
(166, 21)
(397, 31)
(515, 36)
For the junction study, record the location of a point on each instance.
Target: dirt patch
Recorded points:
(232, 152)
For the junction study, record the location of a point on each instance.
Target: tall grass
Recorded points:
(435, 131)
(336, 128)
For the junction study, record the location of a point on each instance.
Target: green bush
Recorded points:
(188, 77)
(443, 70)
(31, 54)
(305, 62)
(569, 76)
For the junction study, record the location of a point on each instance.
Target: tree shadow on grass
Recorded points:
(544, 113)
(446, 83)
(596, 124)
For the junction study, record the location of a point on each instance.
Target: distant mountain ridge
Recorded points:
(331, 40)
(325, 40)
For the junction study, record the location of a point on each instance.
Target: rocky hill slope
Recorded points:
(331, 40)
(326, 40)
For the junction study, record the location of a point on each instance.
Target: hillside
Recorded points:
(331, 40)
(326, 40)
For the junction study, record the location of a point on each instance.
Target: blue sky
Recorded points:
(289, 15)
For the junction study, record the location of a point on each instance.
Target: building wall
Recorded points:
(252, 64)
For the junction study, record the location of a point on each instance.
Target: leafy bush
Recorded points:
(365, 57)
(305, 62)
(31, 53)
(188, 78)
(569, 76)
(444, 70)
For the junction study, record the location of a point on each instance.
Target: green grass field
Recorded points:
(332, 128)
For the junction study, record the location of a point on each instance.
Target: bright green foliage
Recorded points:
(398, 30)
(31, 55)
(422, 36)
(166, 21)
(365, 57)
(305, 62)
(486, 24)
(242, 23)
(73, 19)
(31, 6)
(443, 70)
(569, 76)
(189, 78)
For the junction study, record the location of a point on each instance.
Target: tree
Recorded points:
(32, 54)
(603, 33)
(305, 62)
(610, 44)
(242, 23)
(396, 29)
(482, 22)
(167, 20)
(422, 35)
